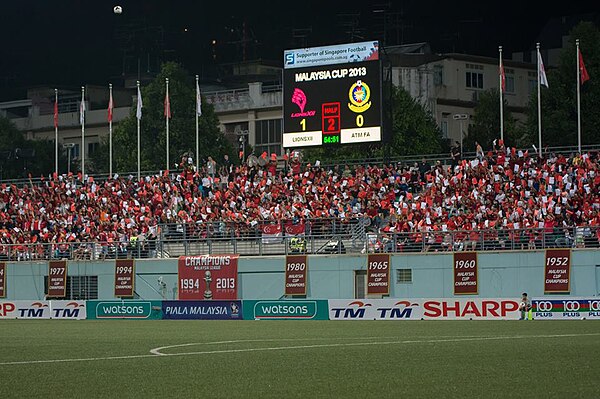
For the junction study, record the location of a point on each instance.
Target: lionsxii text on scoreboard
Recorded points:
(332, 95)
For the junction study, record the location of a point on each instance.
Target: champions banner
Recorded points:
(124, 278)
(2, 280)
(557, 275)
(378, 274)
(565, 308)
(207, 277)
(57, 279)
(465, 273)
(296, 268)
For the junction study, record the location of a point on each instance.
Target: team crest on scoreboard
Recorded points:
(359, 95)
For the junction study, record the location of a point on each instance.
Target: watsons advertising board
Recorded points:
(124, 310)
(565, 308)
(203, 310)
(285, 310)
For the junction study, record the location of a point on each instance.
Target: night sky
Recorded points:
(74, 42)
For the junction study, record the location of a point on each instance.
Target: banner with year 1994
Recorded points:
(206, 277)
(124, 278)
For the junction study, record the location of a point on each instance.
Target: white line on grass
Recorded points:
(163, 355)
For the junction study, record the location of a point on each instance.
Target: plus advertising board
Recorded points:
(565, 308)
(557, 275)
(202, 310)
(424, 309)
(465, 273)
(378, 274)
(207, 277)
(2, 279)
(124, 278)
(57, 279)
(150, 310)
(296, 269)
(285, 310)
(67, 310)
(24, 310)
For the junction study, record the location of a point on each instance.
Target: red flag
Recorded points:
(110, 107)
(582, 71)
(167, 106)
(502, 77)
(55, 114)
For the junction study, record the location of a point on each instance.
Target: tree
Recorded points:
(413, 131)
(559, 103)
(182, 137)
(20, 157)
(486, 123)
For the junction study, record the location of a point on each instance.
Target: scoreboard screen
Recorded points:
(332, 95)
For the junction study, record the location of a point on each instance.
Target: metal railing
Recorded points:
(332, 241)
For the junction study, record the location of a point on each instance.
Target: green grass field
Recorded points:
(282, 359)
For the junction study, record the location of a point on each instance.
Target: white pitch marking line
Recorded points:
(163, 355)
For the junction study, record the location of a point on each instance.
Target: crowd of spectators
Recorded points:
(514, 195)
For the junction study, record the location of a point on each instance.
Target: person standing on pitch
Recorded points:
(525, 307)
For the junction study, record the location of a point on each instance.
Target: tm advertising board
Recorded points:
(207, 277)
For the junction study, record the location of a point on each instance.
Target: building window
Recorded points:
(268, 137)
(404, 276)
(74, 151)
(474, 80)
(532, 85)
(510, 83)
(92, 147)
(438, 75)
(78, 287)
(444, 128)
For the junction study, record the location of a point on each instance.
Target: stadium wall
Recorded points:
(501, 274)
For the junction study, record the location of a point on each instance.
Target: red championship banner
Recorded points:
(465, 273)
(296, 268)
(124, 278)
(557, 274)
(207, 277)
(2, 280)
(57, 279)
(378, 274)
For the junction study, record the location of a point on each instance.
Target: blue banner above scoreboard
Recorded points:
(329, 55)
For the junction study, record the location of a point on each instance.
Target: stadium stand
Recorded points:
(505, 199)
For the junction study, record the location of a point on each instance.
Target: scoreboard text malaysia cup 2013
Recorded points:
(332, 95)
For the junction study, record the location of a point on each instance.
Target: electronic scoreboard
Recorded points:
(332, 95)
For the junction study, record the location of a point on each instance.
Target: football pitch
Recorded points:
(282, 359)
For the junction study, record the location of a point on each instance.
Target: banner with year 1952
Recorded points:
(557, 272)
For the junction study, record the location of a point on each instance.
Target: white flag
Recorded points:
(82, 111)
(198, 100)
(138, 114)
(542, 71)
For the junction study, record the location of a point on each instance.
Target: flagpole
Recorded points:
(539, 103)
(197, 135)
(501, 97)
(110, 146)
(578, 99)
(56, 134)
(83, 133)
(167, 114)
(138, 135)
